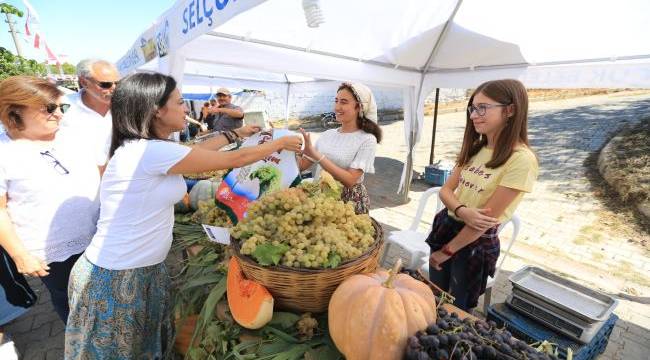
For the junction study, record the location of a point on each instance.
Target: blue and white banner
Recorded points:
(186, 20)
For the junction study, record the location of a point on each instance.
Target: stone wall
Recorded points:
(310, 99)
(313, 99)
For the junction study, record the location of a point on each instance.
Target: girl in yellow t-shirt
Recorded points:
(494, 169)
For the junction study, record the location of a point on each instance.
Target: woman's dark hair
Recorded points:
(363, 123)
(134, 104)
(507, 92)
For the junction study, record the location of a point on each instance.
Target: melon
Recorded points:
(204, 190)
(250, 303)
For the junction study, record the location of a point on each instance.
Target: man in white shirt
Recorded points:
(89, 118)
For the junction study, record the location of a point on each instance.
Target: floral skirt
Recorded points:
(119, 314)
(358, 194)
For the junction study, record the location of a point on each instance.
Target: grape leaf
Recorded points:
(268, 254)
(285, 320)
(333, 260)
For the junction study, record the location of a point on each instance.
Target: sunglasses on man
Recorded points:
(51, 108)
(104, 84)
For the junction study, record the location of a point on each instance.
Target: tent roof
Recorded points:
(416, 45)
(391, 43)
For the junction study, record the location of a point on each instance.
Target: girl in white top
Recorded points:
(120, 306)
(48, 189)
(349, 151)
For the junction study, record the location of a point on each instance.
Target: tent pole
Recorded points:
(414, 128)
(435, 126)
(286, 103)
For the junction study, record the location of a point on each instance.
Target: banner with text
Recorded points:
(186, 20)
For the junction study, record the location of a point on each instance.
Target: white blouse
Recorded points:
(52, 195)
(354, 150)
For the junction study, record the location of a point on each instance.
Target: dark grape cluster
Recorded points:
(452, 338)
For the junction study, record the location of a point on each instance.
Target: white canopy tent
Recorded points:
(415, 45)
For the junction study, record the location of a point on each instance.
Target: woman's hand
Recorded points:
(30, 265)
(291, 143)
(477, 219)
(247, 130)
(309, 149)
(437, 258)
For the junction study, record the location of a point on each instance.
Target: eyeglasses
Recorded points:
(51, 108)
(105, 84)
(57, 164)
(481, 109)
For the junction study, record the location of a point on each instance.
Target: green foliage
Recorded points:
(10, 9)
(333, 260)
(11, 65)
(283, 320)
(201, 284)
(69, 69)
(268, 254)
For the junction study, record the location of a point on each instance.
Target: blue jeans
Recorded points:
(57, 284)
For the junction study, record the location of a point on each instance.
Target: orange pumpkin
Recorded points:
(372, 315)
(250, 303)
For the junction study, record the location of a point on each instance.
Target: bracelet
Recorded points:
(228, 137)
(234, 134)
(312, 159)
(446, 250)
(457, 208)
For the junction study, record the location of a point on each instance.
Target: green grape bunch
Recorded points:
(317, 230)
(210, 214)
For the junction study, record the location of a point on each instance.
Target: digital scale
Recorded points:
(564, 306)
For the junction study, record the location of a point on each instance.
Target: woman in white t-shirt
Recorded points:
(347, 153)
(48, 190)
(120, 306)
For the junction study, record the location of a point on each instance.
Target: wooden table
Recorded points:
(462, 314)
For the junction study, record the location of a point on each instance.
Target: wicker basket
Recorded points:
(308, 290)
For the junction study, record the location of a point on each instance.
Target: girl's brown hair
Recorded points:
(20, 92)
(364, 124)
(507, 92)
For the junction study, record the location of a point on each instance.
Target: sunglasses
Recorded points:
(58, 167)
(51, 108)
(105, 84)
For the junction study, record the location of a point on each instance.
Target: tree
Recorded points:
(11, 65)
(10, 9)
(69, 69)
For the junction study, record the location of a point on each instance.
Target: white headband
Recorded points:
(366, 100)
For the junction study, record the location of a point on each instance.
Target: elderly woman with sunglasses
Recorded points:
(49, 201)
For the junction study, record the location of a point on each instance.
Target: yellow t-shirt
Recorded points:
(477, 183)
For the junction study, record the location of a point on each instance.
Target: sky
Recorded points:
(86, 28)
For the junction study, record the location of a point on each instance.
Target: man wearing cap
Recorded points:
(89, 120)
(227, 116)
